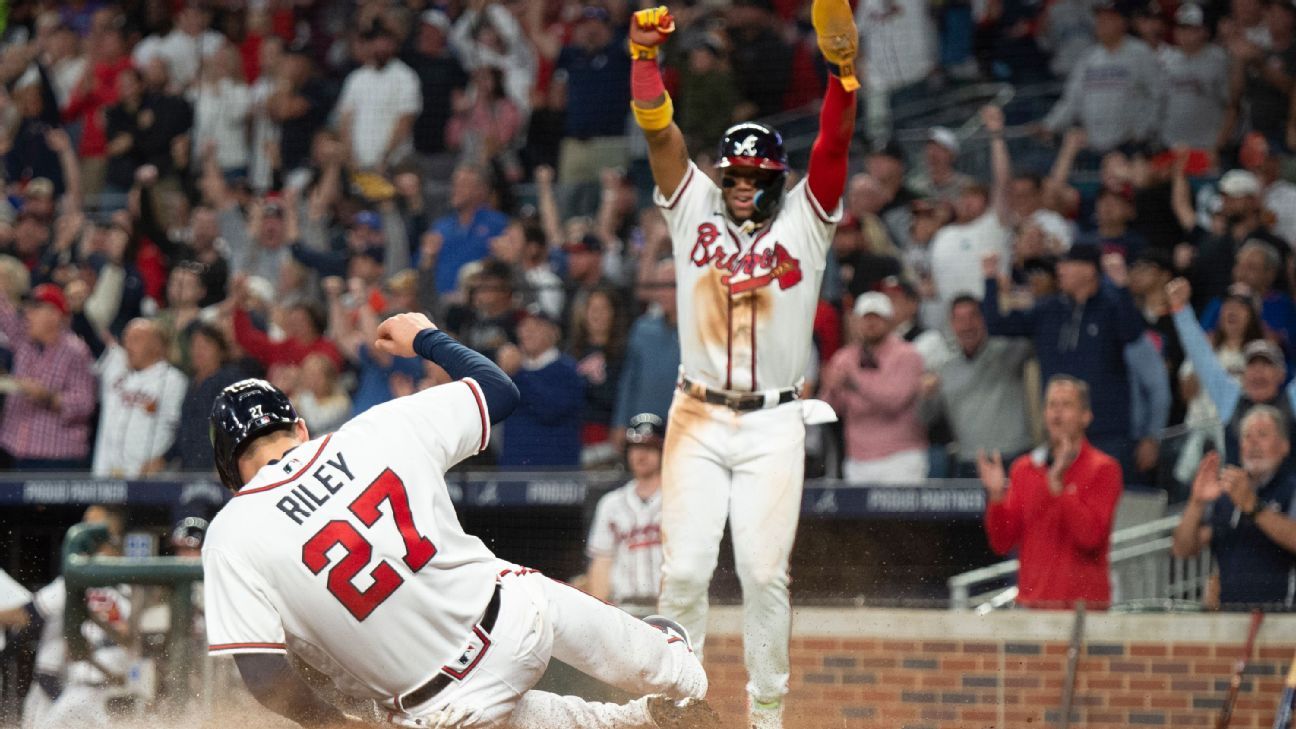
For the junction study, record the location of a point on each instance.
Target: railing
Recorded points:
(1144, 574)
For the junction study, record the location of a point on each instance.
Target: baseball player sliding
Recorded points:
(749, 259)
(346, 551)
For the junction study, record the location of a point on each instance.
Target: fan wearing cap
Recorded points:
(1197, 82)
(624, 545)
(750, 256)
(1082, 331)
(1210, 256)
(378, 103)
(980, 227)
(874, 384)
(1277, 193)
(939, 179)
(1149, 273)
(1262, 377)
(46, 420)
(545, 430)
(1114, 212)
(369, 243)
(489, 319)
(304, 325)
(1113, 86)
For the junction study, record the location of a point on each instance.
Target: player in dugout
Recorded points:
(439, 631)
(749, 258)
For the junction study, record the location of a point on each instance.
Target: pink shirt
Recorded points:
(878, 406)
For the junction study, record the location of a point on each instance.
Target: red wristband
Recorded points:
(645, 80)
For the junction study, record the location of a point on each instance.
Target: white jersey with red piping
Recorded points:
(746, 300)
(348, 551)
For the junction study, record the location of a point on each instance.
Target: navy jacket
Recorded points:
(1088, 344)
(545, 429)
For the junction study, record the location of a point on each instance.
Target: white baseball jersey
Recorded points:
(349, 553)
(628, 529)
(746, 302)
(51, 650)
(140, 411)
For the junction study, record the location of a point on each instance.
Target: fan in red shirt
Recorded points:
(303, 325)
(1056, 506)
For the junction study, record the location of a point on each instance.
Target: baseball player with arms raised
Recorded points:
(749, 258)
(346, 551)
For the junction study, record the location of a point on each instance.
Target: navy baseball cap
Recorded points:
(1084, 253)
(368, 219)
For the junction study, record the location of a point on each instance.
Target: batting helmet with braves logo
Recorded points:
(243, 412)
(646, 429)
(752, 145)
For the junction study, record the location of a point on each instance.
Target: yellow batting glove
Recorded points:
(648, 29)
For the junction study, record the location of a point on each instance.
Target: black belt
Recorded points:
(438, 682)
(741, 402)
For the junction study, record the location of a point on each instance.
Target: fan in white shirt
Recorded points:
(140, 399)
(186, 49)
(379, 103)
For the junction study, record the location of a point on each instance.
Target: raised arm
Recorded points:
(1222, 389)
(652, 107)
(1180, 194)
(406, 335)
(1000, 163)
(827, 172)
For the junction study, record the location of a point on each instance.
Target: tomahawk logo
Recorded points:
(748, 147)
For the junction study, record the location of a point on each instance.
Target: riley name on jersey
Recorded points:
(302, 500)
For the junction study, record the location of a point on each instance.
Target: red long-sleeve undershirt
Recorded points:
(827, 173)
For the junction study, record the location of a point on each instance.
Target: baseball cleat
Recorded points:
(667, 713)
(669, 627)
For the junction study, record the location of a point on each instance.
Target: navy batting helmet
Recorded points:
(243, 412)
(752, 145)
(646, 429)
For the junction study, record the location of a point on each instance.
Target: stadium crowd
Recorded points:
(198, 192)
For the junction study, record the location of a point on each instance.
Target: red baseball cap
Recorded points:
(51, 294)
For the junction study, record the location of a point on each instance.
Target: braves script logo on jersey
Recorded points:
(638, 537)
(745, 271)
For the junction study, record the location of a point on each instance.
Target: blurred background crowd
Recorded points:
(199, 192)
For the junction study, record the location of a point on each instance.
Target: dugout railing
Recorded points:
(1144, 574)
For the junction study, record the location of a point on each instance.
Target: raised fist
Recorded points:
(396, 335)
(1179, 292)
(650, 27)
(993, 118)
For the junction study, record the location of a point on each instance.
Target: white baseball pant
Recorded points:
(748, 469)
(78, 707)
(35, 706)
(540, 618)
